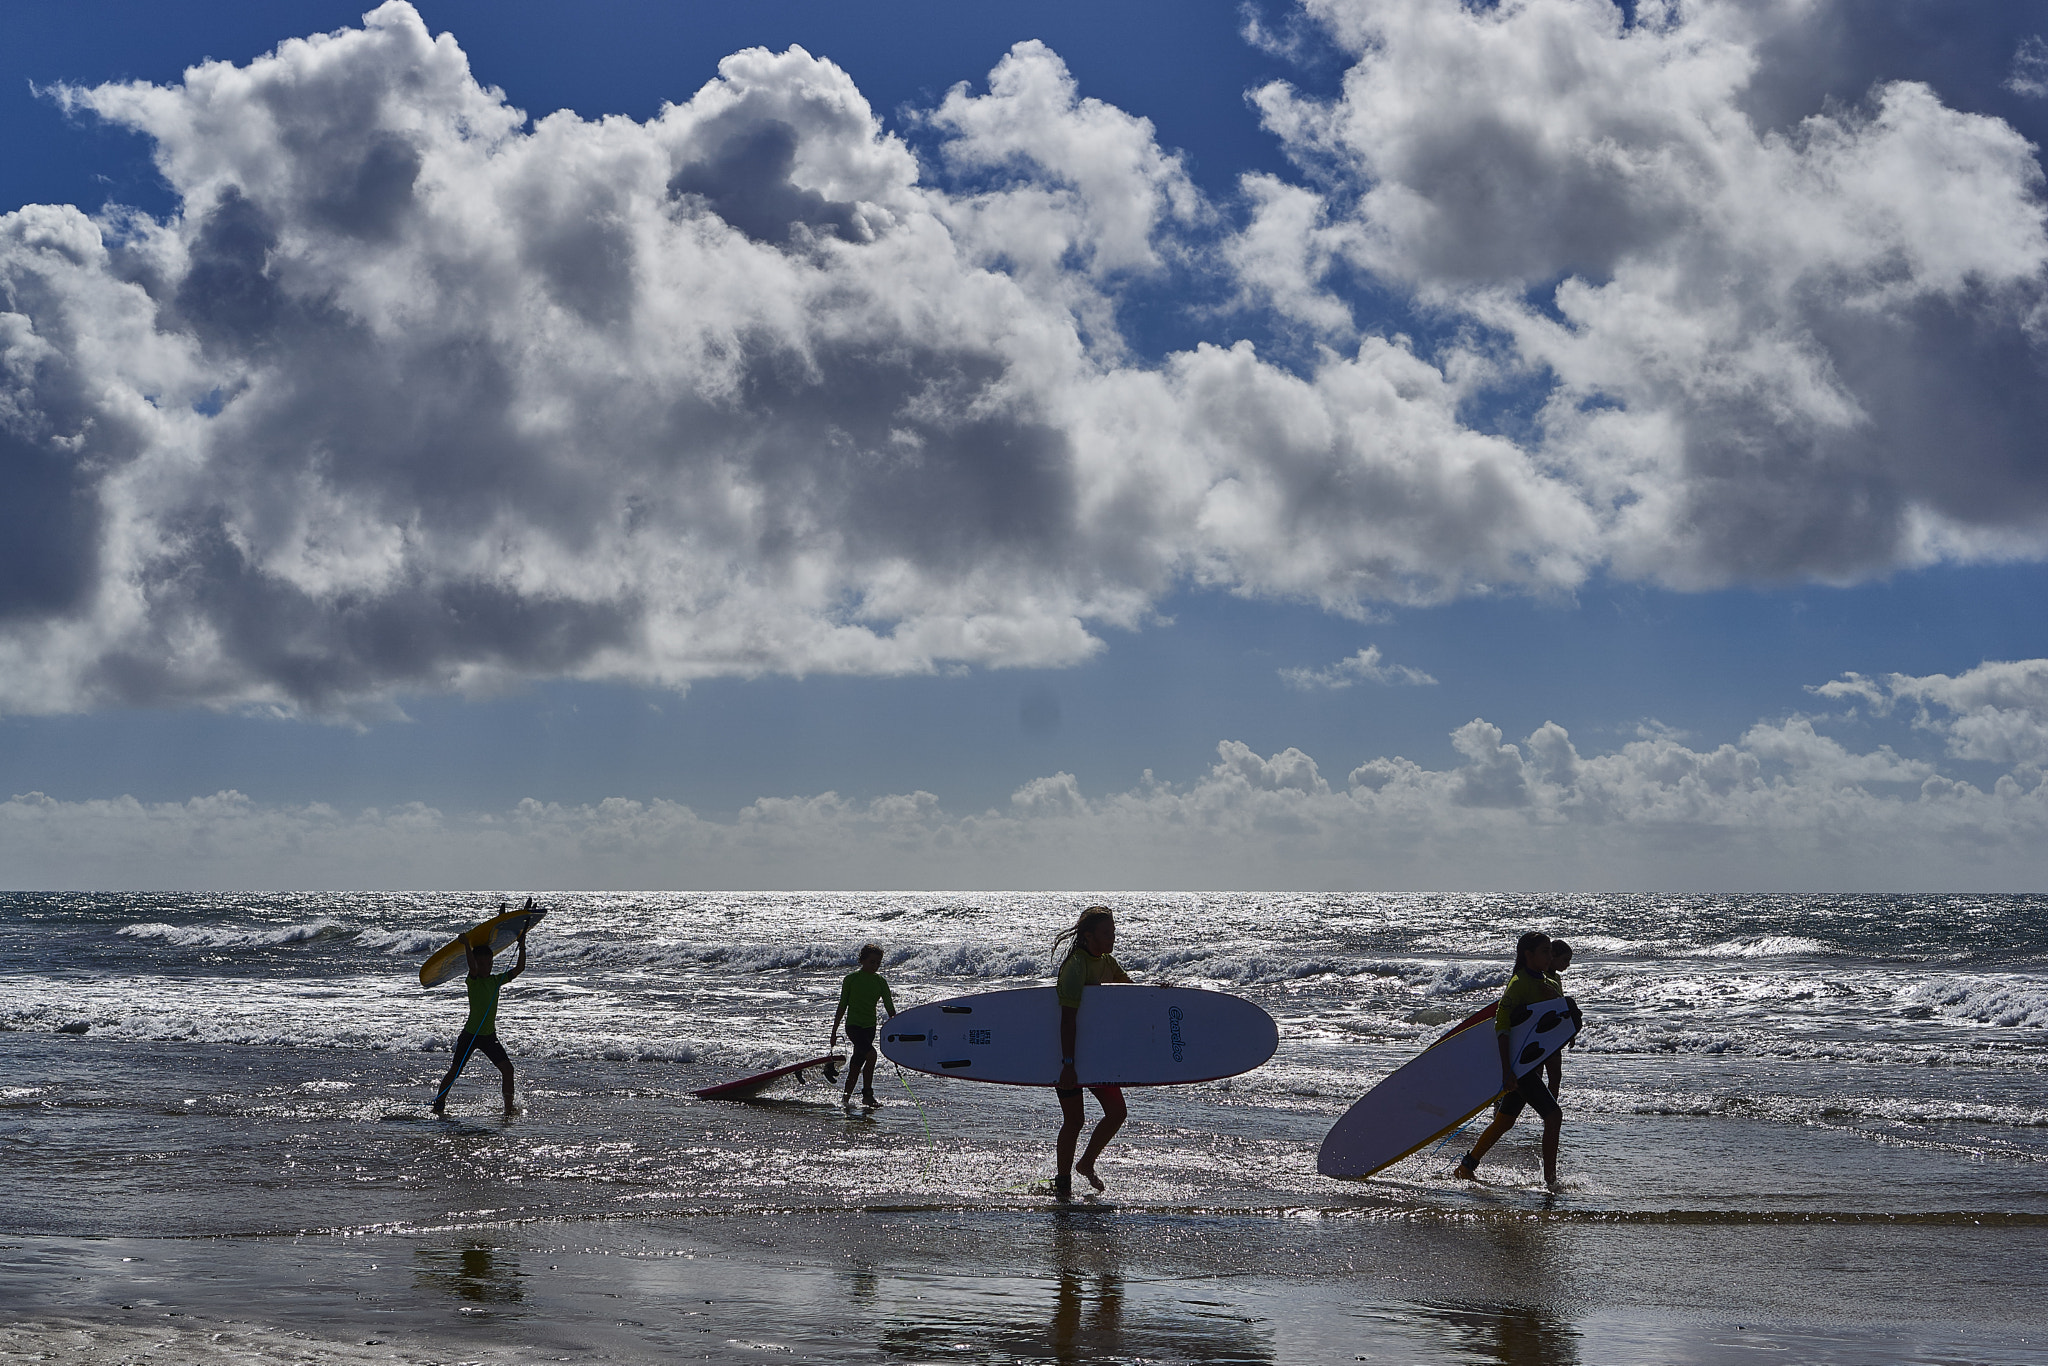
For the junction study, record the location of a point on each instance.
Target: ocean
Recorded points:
(1798, 1128)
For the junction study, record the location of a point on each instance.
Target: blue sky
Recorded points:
(1651, 454)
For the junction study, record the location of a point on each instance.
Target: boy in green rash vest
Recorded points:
(480, 1030)
(859, 993)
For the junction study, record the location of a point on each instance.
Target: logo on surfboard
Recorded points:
(1173, 1018)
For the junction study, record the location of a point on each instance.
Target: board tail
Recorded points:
(1458, 1123)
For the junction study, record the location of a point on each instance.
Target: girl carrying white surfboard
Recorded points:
(1534, 979)
(1088, 963)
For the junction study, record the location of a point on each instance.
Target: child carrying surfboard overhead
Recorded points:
(861, 991)
(480, 1030)
(1535, 979)
(1088, 963)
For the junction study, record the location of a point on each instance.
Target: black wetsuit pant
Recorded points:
(862, 1037)
(1529, 1091)
(465, 1044)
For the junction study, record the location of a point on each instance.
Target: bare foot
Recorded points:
(868, 1098)
(1063, 1189)
(1465, 1171)
(1088, 1170)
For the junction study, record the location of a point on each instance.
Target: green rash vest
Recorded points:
(1524, 989)
(483, 1003)
(858, 994)
(1084, 969)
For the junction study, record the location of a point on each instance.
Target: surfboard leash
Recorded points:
(1452, 1137)
(460, 1063)
(931, 1143)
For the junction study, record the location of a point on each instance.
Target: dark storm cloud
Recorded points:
(1792, 295)
(746, 182)
(49, 528)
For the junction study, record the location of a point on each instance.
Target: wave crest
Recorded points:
(235, 937)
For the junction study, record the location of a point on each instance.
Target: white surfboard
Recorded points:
(1433, 1094)
(1125, 1036)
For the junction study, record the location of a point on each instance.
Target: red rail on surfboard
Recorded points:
(746, 1088)
(1483, 1013)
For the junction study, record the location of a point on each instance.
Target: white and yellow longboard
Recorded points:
(451, 959)
(1453, 1080)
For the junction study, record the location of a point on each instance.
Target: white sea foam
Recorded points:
(236, 937)
(1767, 946)
(1003, 961)
(2007, 1002)
(968, 960)
(1799, 1109)
(1239, 968)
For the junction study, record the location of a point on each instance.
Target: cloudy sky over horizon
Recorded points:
(1354, 443)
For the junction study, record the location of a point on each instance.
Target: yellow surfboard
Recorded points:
(451, 959)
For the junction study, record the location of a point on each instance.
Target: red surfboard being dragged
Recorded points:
(1128, 1036)
(1453, 1080)
(746, 1088)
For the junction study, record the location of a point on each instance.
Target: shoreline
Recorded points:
(988, 1286)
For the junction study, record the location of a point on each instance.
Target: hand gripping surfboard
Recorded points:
(1453, 1080)
(1125, 1035)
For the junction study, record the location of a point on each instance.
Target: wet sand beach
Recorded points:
(1059, 1286)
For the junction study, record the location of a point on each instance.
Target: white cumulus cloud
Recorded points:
(1767, 351)
(411, 393)
(2030, 68)
(1996, 712)
(1367, 666)
(1783, 807)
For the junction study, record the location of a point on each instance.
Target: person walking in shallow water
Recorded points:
(1088, 963)
(859, 994)
(480, 1030)
(1534, 979)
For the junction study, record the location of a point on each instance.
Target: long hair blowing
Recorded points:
(1088, 920)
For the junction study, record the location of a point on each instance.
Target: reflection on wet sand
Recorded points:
(475, 1272)
(1510, 1334)
(1099, 1309)
(863, 1286)
(1529, 1261)
(1088, 1313)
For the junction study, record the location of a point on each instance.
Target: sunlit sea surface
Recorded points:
(1785, 1114)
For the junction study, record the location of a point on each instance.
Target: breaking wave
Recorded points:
(233, 937)
(1767, 946)
(2005, 1002)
